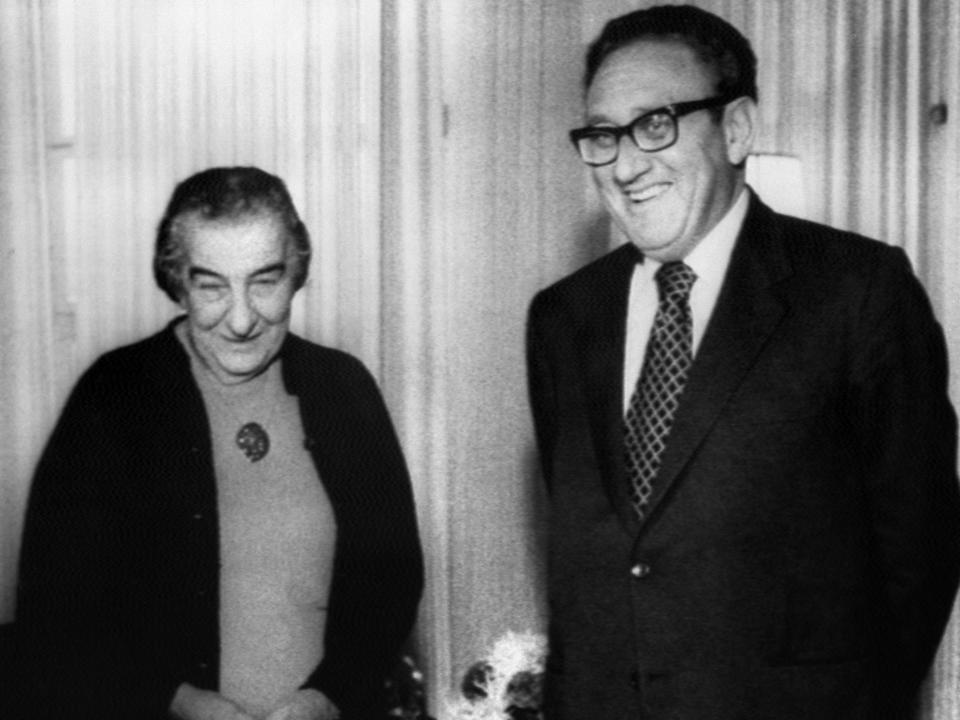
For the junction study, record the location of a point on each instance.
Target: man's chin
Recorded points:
(659, 249)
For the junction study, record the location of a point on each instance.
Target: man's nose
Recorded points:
(241, 317)
(631, 161)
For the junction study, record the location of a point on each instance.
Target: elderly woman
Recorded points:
(221, 525)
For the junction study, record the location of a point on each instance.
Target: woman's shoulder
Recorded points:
(309, 361)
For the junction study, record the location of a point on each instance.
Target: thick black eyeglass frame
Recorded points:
(674, 110)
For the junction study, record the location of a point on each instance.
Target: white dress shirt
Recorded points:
(709, 260)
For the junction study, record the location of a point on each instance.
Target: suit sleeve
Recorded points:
(907, 435)
(541, 386)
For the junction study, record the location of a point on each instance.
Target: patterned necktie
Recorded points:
(654, 402)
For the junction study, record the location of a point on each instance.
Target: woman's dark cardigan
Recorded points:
(118, 595)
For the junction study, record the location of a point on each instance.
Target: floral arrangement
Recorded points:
(507, 685)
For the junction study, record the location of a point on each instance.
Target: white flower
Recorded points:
(518, 652)
(513, 653)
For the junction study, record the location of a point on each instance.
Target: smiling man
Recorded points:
(221, 526)
(742, 419)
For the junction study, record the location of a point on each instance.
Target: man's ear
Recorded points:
(740, 128)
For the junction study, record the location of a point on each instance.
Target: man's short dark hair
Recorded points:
(225, 193)
(715, 41)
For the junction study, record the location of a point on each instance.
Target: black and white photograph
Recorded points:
(479, 359)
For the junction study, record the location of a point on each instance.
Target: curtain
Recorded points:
(26, 331)
(482, 207)
(161, 90)
(940, 253)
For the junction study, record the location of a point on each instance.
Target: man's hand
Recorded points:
(191, 703)
(306, 704)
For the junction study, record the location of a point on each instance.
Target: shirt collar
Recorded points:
(710, 257)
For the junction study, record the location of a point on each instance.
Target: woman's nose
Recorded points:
(241, 317)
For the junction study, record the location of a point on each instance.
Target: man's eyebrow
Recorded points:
(597, 120)
(634, 114)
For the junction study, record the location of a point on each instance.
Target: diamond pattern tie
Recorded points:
(666, 362)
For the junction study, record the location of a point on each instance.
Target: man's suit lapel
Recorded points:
(601, 357)
(746, 314)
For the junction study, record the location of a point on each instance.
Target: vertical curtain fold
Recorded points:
(416, 318)
(26, 400)
(940, 256)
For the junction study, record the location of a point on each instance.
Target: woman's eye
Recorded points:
(208, 291)
(265, 285)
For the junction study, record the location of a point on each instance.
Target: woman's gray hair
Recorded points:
(224, 193)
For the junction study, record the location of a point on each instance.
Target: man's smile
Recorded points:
(648, 192)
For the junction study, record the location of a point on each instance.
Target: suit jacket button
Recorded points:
(640, 570)
(634, 680)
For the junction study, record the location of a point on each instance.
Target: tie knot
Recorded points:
(675, 280)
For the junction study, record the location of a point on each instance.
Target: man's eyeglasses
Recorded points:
(652, 131)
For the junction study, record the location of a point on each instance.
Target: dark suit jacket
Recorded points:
(118, 594)
(802, 547)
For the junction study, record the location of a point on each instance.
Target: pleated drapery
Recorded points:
(27, 401)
